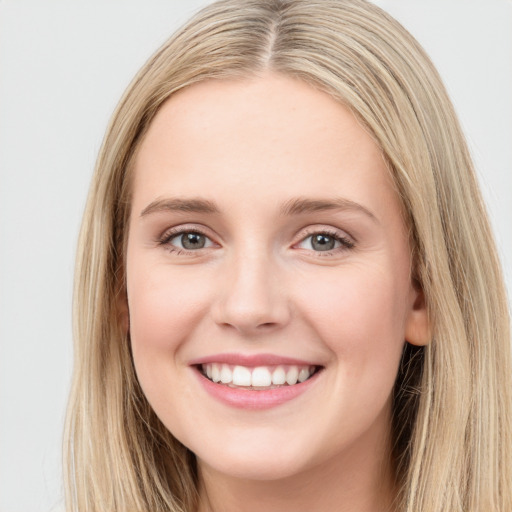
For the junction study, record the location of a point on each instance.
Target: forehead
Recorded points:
(272, 134)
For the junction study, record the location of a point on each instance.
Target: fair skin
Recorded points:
(265, 232)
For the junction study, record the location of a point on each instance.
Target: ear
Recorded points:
(417, 325)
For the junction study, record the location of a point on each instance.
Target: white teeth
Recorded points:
(279, 376)
(215, 372)
(241, 376)
(303, 374)
(226, 375)
(261, 377)
(292, 375)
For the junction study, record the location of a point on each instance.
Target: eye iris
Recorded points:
(193, 241)
(322, 242)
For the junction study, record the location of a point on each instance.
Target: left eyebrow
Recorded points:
(176, 204)
(300, 205)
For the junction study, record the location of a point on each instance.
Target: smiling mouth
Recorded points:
(257, 378)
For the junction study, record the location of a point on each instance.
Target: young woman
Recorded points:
(287, 294)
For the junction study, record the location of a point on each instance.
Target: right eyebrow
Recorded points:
(301, 205)
(176, 204)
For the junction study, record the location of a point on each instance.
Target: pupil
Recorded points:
(322, 242)
(193, 241)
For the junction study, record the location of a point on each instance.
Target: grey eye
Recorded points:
(191, 241)
(322, 242)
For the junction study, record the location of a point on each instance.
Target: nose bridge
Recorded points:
(253, 298)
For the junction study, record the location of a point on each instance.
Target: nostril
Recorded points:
(246, 321)
(267, 325)
(248, 327)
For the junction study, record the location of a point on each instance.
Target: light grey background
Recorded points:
(63, 66)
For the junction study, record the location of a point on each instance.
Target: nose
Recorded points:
(252, 298)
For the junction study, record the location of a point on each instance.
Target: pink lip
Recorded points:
(251, 360)
(254, 399)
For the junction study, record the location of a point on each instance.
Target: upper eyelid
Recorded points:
(322, 228)
(173, 231)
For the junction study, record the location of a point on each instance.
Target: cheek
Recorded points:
(360, 316)
(163, 303)
(164, 308)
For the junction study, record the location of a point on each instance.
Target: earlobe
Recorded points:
(417, 327)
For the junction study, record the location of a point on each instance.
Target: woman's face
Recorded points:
(267, 249)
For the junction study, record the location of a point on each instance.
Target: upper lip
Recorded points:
(252, 360)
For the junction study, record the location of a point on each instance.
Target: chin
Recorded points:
(255, 469)
(270, 461)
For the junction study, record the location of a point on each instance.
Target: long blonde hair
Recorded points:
(452, 422)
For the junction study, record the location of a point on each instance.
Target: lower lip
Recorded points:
(257, 399)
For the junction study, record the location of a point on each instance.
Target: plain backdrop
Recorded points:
(63, 66)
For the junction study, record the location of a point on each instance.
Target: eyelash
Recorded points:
(166, 238)
(345, 242)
